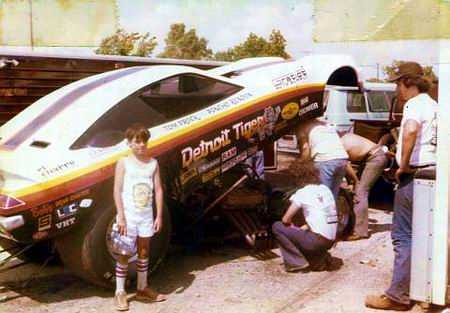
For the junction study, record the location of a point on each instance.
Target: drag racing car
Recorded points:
(57, 157)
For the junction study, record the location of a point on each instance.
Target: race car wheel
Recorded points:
(86, 251)
(346, 215)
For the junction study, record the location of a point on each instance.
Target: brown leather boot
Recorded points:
(382, 302)
(148, 294)
(354, 237)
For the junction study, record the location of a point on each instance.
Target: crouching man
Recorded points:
(306, 247)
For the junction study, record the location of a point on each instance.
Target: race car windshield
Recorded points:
(158, 103)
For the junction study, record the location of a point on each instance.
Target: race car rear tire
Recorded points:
(85, 250)
(346, 215)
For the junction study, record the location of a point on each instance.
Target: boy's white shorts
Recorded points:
(140, 228)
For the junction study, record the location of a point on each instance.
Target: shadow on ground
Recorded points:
(178, 272)
(379, 228)
(175, 274)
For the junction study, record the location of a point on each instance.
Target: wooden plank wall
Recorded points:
(35, 76)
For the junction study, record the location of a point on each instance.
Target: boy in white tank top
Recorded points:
(136, 180)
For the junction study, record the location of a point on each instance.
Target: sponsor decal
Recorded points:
(8, 202)
(85, 203)
(229, 154)
(71, 198)
(49, 171)
(311, 107)
(67, 210)
(210, 175)
(188, 175)
(42, 210)
(44, 222)
(66, 223)
(238, 131)
(290, 79)
(190, 154)
(231, 163)
(207, 166)
(181, 122)
(290, 111)
(40, 235)
(99, 152)
(228, 103)
(48, 208)
(72, 208)
(271, 117)
(248, 129)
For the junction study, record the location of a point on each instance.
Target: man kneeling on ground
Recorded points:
(306, 247)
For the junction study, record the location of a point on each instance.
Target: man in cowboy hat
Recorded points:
(416, 149)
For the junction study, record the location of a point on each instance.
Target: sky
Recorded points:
(227, 23)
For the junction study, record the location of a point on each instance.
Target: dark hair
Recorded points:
(138, 132)
(304, 173)
(422, 83)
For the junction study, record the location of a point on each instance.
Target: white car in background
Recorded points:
(370, 101)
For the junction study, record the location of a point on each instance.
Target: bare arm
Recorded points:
(290, 213)
(410, 131)
(351, 174)
(159, 196)
(303, 145)
(118, 187)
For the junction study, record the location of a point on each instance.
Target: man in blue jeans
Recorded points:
(372, 159)
(416, 149)
(321, 143)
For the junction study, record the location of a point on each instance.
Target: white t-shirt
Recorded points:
(137, 192)
(422, 109)
(319, 209)
(325, 144)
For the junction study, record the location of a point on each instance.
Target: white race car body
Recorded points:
(57, 157)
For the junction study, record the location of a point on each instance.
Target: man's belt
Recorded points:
(422, 166)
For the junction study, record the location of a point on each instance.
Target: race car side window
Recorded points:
(181, 95)
(158, 103)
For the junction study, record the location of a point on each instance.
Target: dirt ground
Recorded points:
(221, 279)
(226, 278)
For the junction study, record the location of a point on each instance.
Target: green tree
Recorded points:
(277, 45)
(256, 46)
(389, 70)
(185, 45)
(123, 43)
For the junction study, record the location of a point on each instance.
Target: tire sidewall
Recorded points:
(97, 258)
(346, 215)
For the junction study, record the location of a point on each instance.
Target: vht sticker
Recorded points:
(65, 223)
